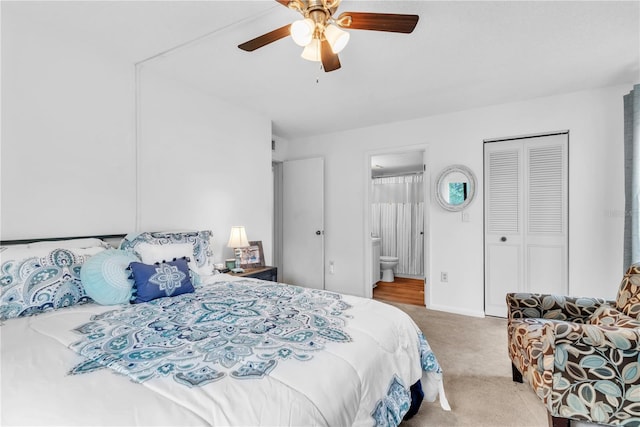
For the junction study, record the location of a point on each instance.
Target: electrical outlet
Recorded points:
(444, 277)
(332, 268)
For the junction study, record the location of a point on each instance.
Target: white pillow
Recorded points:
(150, 254)
(19, 252)
(83, 246)
(201, 241)
(89, 242)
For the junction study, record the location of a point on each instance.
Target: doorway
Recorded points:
(396, 202)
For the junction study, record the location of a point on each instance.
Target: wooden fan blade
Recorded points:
(265, 39)
(390, 22)
(330, 61)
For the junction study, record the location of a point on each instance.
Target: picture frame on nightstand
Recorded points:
(253, 255)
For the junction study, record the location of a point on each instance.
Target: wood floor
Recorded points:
(407, 291)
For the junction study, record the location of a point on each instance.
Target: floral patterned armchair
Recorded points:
(580, 355)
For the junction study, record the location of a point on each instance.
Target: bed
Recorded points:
(227, 351)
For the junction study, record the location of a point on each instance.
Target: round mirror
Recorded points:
(455, 188)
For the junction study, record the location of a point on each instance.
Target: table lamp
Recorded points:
(238, 240)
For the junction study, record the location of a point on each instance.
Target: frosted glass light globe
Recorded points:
(302, 31)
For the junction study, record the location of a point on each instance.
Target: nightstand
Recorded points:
(263, 273)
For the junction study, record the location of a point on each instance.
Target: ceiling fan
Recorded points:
(320, 34)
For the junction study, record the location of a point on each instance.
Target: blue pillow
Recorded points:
(105, 277)
(165, 279)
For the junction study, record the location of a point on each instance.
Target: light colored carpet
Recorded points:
(477, 374)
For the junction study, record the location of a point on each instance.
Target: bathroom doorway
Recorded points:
(396, 209)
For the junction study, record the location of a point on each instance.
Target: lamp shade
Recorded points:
(312, 51)
(302, 31)
(336, 37)
(238, 238)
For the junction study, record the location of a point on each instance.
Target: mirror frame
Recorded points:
(471, 190)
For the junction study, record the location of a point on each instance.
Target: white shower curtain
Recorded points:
(397, 217)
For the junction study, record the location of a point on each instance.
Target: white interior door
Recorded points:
(526, 218)
(303, 223)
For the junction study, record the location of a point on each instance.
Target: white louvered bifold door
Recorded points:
(526, 239)
(503, 224)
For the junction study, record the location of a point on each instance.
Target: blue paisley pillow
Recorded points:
(166, 279)
(34, 284)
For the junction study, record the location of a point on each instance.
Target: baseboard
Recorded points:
(456, 310)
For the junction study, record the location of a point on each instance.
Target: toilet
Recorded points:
(387, 264)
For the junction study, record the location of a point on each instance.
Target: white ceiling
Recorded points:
(462, 55)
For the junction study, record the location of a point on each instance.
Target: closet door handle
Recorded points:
(503, 239)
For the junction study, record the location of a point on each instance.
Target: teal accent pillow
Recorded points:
(105, 277)
(166, 279)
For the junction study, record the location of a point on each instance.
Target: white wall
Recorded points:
(203, 164)
(280, 152)
(67, 135)
(596, 194)
(71, 165)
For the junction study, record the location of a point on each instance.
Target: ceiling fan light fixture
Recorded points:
(311, 52)
(321, 34)
(336, 37)
(302, 31)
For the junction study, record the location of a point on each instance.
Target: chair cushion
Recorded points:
(628, 301)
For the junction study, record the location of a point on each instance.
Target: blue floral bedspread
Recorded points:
(236, 329)
(242, 330)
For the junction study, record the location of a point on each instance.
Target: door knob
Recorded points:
(503, 239)
(318, 232)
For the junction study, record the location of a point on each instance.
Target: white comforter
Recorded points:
(341, 384)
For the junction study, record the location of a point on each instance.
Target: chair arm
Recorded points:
(605, 338)
(552, 307)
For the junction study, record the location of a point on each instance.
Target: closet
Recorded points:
(526, 217)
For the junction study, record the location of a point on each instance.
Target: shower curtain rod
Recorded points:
(392, 175)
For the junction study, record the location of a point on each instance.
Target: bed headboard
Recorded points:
(112, 239)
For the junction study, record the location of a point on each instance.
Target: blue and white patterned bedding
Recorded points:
(239, 330)
(246, 352)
